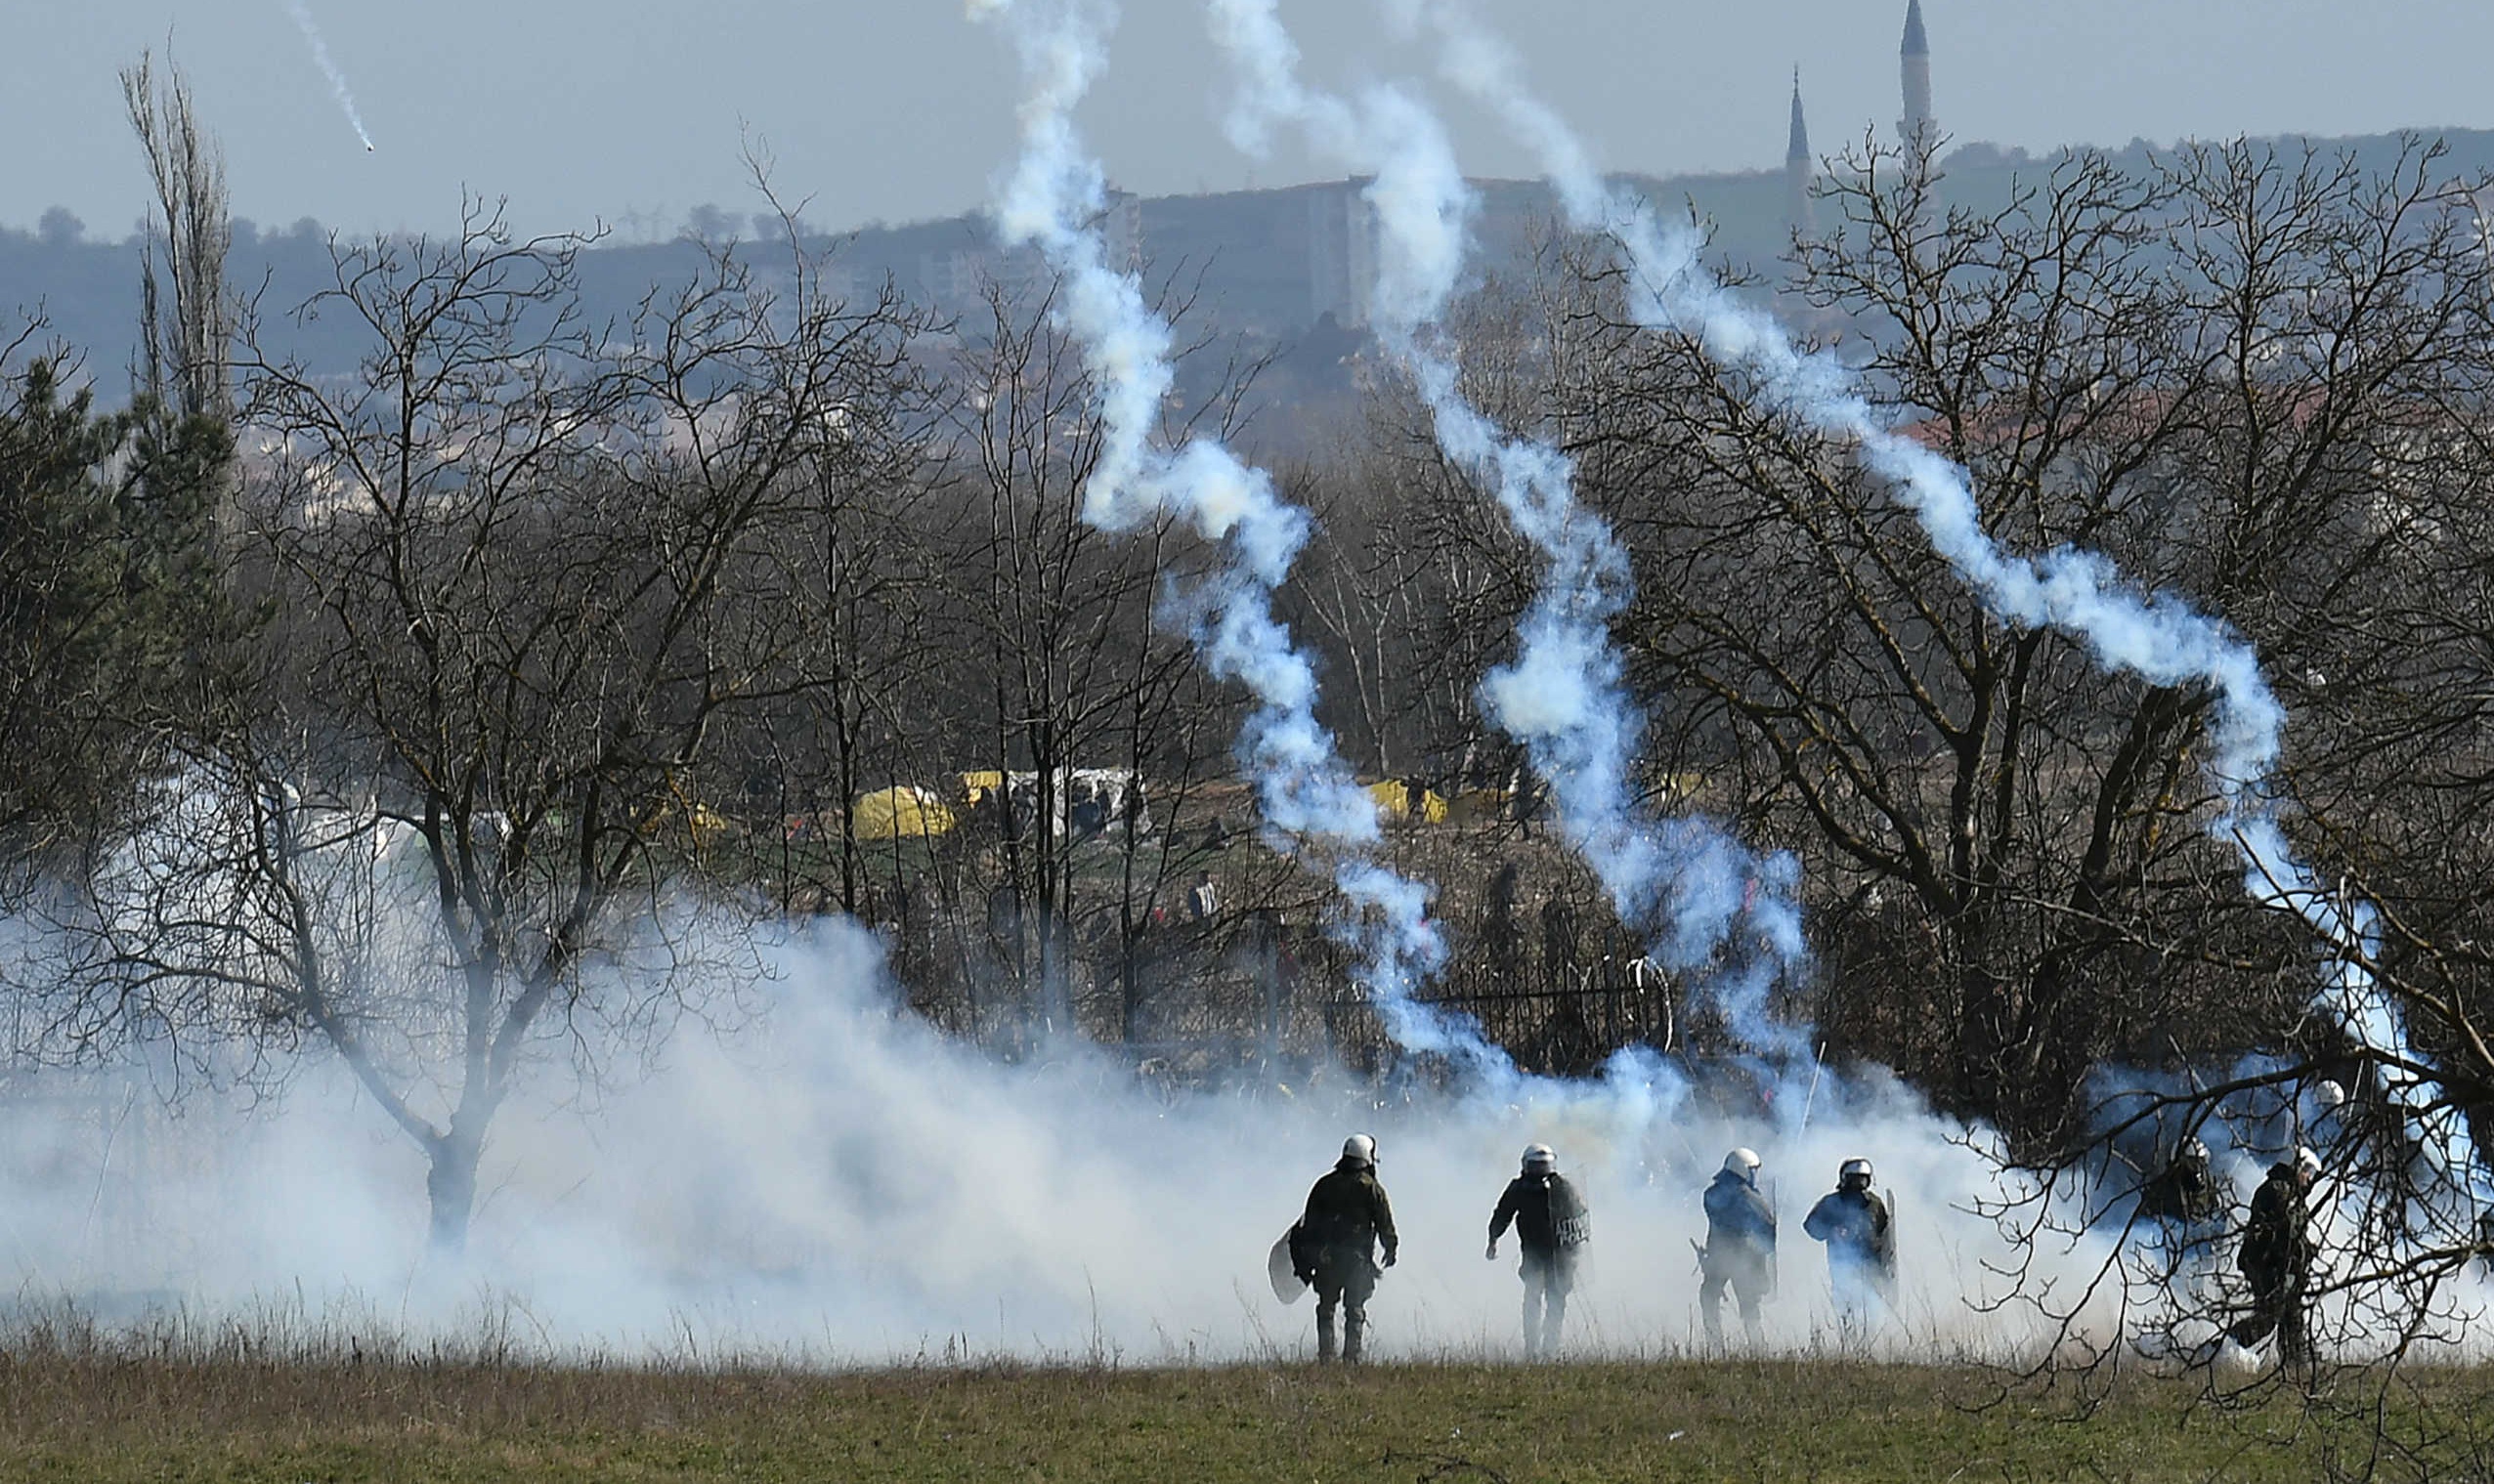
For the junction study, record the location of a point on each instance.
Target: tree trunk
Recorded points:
(450, 1185)
(1986, 1018)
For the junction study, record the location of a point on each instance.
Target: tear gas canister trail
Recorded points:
(1051, 199)
(2155, 636)
(1685, 882)
(330, 69)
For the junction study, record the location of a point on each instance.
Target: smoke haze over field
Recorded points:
(839, 1180)
(885, 110)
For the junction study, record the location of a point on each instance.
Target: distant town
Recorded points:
(1283, 273)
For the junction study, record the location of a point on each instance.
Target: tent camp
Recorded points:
(1402, 802)
(898, 812)
(1085, 800)
(1479, 806)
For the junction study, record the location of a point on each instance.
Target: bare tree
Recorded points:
(1076, 677)
(189, 313)
(2015, 813)
(1049, 604)
(530, 574)
(2256, 379)
(1418, 580)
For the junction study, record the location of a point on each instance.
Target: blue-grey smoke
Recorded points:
(1051, 200)
(1689, 884)
(2157, 637)
(330, 69)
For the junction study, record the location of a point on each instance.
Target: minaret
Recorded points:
(1798, 169)
(1914, 60)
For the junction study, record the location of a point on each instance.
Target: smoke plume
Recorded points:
(1685, 881)
(1051, 199)
(330, 69)
(2159, 638)
(834, 1181)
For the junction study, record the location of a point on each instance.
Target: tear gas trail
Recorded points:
(1051, 199)
(1686, 879)
(337, 79)
(2154, 636)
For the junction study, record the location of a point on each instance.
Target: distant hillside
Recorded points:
(1265, 268)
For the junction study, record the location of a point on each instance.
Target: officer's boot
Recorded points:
(1351, 1326)
(1325, 1335)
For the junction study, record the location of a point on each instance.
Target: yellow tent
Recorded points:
(890, 813)
(704, 826)
(709, 826)
(1395, 801)
(1479, 806)
(976, 786)
(1678, 790)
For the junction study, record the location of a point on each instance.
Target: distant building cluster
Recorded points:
(959, 278)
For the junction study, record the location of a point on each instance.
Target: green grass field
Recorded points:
(141, 1418)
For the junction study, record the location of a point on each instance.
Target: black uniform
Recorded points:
(1334, 1249)
(1739, 1252)
(1862, 1249)
(1549, 1218)
(2184, 1191)
(2277, 1260)
(2188, 1212)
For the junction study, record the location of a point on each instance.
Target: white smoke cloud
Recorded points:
(833, 1180)
(837, 1181)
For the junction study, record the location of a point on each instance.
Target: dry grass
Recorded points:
(72, 1411)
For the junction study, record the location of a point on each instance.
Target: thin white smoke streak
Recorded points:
(2157, 637)
(337, 79)
(1053, 199)
(1562, 696)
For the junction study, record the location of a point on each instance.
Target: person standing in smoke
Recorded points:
(1333, 1248)
(1549, 1218)
(2277, 1259)
(2189, 1215)
(1862, 1244)
(1740, 1247)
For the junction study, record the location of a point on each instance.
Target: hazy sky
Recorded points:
(899, 110)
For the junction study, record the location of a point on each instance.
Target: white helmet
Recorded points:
(1540, 1160)
(1743, 1162)
(2328, 1094)
(2194, 1149)
(2306, 1162)
(1361, 1149)
(1851, 1170)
